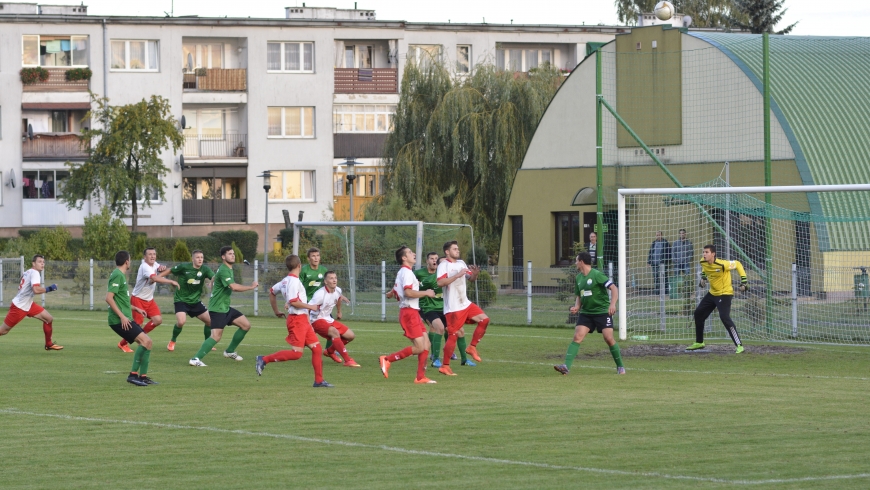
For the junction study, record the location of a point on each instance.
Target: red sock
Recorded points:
(346, 341)
(421, 364)
(46, 329)
(281, 356)
(479, 330)
(399, 355)
(338, 346)
(317, 362)
(149, 326)
(449, 347)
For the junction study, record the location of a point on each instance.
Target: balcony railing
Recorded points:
(226, 146)
(57, 82)
(214, 211)
(217, 80)
(53, 146)
(366, 81)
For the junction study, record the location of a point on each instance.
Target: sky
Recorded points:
(830, 18)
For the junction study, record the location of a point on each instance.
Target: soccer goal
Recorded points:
(805, 249)
(363, 255)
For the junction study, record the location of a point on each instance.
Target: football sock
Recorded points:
(421, 364)
(237, 339)
(479, 331)
(146, 359)
(399, 355)
(284, 355)
(617, 356)
(149, 326)
(346, 341)
(205, 348)
(432, 336)
(461, 343)
(137, 358)
(573, 349)
(206, 332)
(449, 347)
(46, 330)
(328, 344)
(317, 362)
(436, 345)
(176, 330)
(338, 346)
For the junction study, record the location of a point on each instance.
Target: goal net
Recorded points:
(363, 256)
(806, 259)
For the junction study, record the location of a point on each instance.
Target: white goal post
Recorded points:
(700, 213)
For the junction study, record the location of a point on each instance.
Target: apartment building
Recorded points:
(296, 96)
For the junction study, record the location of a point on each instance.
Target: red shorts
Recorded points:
(409, 319)
(456, 319)
(150, 308)
(16, 314)
(300, 331)
(321, 327)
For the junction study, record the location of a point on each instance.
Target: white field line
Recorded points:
(499, 461)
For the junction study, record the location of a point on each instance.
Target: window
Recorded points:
(359, 56)
(54, 50)
(150, 193)
(204, 123)
(463, 59)
(291, 122)
(292, 57)
(424, 54)
(369, 182)
(43, 184)
(516, 59)
(360, 118)
(567, 234)
(201, 56)
(134, 56)
(292, 185)
(213, 188)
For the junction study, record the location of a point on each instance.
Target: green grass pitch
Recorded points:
(68, 419)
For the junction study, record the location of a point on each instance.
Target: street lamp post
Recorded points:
(267, 185)
(351, 176)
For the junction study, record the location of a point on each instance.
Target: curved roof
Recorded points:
(819, 94)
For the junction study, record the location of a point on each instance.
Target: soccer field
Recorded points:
(794, 416)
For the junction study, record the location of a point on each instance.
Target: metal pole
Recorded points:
(529, 292)
(91, 282)
(42, 281)
(661, 286)
(794, 301)
(474, 261)
(1, 282)
(599, 165)
(295, 239)
(420, 245)
(728, 212)
(768, 181)
(257, 289)
(266, 238)
(621, 265)
(352, 256)
(383, 291)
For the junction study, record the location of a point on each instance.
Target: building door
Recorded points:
(517, 252)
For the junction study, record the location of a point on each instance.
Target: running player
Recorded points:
(591, 287)
(143, 293)
(220, 312)
(299, 331)
(312, 275)
(192, 276)
(23, 305)
(327, 298)
(118, 298)
(459, 310)
(407, 293)
(432, 311)
(718, 271)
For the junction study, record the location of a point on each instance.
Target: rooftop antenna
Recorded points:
(171, 12)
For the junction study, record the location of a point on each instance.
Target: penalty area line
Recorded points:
(415, 452)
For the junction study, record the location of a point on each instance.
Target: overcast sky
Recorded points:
(817, 18)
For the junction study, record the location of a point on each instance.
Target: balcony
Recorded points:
(366, 81)
(214, 211)
(216, 147)
(217, 80)
(57, 82)
(53, 146)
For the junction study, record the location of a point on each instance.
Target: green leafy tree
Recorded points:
(53, 243)
(760, 16)
(124, 155)
(139, 245)
(105, 235)
(82, 278)
(181, 253)
(237, 267)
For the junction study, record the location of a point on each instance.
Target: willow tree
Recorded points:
(461, 140)
(123, 156)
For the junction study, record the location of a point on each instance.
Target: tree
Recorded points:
(123, 155)
(104, 235)
(462, 140)
(181, 253)
(704, 13)
(53, 243)
(760, 16)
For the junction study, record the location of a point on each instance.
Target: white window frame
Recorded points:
(148, 55)
(38, 58)
(416, 50)
(458, 58)
(283, 45)
(283, 179)
(339, 110)
(504, 60)
(284, 134)
(40, 171)
(198, 61)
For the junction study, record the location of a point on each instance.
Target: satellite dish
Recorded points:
(687, 20)
(183, 122)
(30, 131)
(181, 161)
(12, 178)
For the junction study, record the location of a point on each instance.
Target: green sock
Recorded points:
(460, 343)
(617, 356)
(146, 358)
(137, 359)
(206, 332)
(328, 343)
(431, 337)
(435, 339)
(237, 339)
(175, 331)
(205, 348)
(573, 349)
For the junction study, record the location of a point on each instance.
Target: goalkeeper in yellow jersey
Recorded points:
(718, 272)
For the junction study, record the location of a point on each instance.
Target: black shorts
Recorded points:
(128, 335)
(191, 310)
(595, 323)
(434, 315)
(221, 320)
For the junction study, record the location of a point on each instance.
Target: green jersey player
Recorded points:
(191, 278)
(312, 273)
